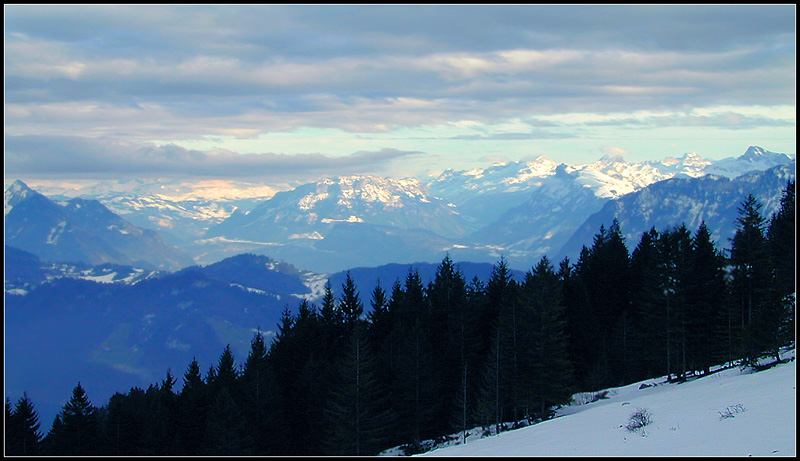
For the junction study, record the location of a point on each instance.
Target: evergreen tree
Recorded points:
(259, 404)
(753, 283)
(358, 416)
(75, 431)
(501, 296)
(605, 272)
(648, 290)
(545, 369)
(350, 303)
(226, 373)
(781, 237)
(705, 300)
(22, 428)
(226, 431)
(193, 404)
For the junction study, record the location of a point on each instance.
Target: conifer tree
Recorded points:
(259, 394)
(76, 430)
(22, 428)
(705, 300)
(193, 404)
(781, 237)
(226, 431)
(358, 415)
(753, 283)
(648, 288)
(350, 303)
(545, 369)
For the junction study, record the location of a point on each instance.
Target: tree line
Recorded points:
(436, 359)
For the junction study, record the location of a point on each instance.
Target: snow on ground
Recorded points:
(687, 420)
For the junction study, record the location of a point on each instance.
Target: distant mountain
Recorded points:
(344, 222)
(310, 211)
(520, 210)
(672, 202)
(82, 231)
(258, 273)
(754, 159)
(24, 271)
(181, 211)
(111, 336)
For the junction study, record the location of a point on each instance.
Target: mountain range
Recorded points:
(82, 230)
(114, 302)
(521, 210)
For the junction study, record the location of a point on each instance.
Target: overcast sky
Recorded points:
(295, 92)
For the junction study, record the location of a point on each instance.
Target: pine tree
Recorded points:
(22, 428)
(781, 237)
(76, 430)
(604, 269)
(753, 283)
(259, 404)
(545, 369)
(350, 303)
(501, 294)
(193, 404)
(358, 416)
(648, 290)
(705, 300)
(226, 431)
(226, 373)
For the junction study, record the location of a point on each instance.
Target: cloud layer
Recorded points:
(155, 77)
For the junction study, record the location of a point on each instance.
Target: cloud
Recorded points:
(182, 74)
(74, 157)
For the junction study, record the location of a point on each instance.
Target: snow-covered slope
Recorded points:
(754, 159)
(728, 413)
(308, 211)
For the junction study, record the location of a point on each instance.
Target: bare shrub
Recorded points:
(639, 419)
(731, 411)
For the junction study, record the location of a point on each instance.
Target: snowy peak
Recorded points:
(754, 159)
(754, 153)
(17, 192)
(312, 211)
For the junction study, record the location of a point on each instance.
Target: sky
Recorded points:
(295, 92)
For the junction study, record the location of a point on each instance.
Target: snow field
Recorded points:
(686, 421)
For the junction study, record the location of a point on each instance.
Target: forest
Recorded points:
(429, 361)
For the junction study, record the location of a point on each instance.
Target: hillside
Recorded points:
(732, 412)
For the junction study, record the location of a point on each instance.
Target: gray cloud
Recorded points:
(125, 75)
(65, 157)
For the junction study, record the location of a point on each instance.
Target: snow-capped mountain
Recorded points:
(518, 209)
(754, 159)
(309, 211)
(181, 211)
(82, 231)
(478, 192)
(663, 205)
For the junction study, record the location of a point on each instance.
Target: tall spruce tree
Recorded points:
(358, 415)
(226, 430)
(705, 300)
(545, 369)
(193, 404)
(753, 283)
(781, 237)
(22, 428)
(259, 399)
(76, 430)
